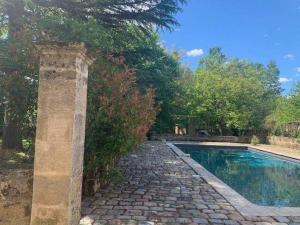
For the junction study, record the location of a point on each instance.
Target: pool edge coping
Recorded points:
(240, 203)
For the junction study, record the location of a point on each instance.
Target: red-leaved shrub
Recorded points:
(118, 119)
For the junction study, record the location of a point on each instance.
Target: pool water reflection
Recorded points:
(262, 178)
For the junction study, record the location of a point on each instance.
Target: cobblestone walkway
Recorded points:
(159, 188)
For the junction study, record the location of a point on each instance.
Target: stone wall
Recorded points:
(284, 141)
(230, 139)
(15, 196)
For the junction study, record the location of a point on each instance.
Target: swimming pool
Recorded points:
(263, 179)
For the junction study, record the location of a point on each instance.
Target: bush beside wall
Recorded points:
(284, 141)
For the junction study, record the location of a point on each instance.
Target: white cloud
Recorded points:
(195, 52)
(284, 79)
(298, 69)
(289, 56)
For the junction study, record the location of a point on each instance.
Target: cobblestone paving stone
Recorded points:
(159, 188)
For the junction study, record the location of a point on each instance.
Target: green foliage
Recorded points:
(270, 79)
(183, 102)
(105, 26)
(118, 117)
(117, 12)
(255, 140)
(121, 102)
(232, 96)
(287, 110)
(18, 79)
(160, 70)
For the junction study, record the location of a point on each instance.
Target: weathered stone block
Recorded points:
(60, 135)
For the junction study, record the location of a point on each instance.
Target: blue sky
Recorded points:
(257, 30)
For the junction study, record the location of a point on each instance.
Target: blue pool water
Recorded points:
(262, 178)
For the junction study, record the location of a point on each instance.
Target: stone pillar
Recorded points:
(60, 134)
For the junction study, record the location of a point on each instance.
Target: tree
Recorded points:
(119, 12)
(24, 22)
(18, 70)
(214, 60)
(124, 93)
(159, 69)
(229, 95)
(182, 103)
(271, 80)
(287, 110)
(118, 118)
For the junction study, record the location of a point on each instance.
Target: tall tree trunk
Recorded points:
(11, 130)
(11, 136)
(15, 11)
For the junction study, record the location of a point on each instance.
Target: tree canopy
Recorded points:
(131, 84)
(232, 96)
(287, 110)
(107, 27)
(143, 13)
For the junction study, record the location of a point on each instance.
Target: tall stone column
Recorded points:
(60, 134)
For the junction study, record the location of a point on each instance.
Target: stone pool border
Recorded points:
(244, 206)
